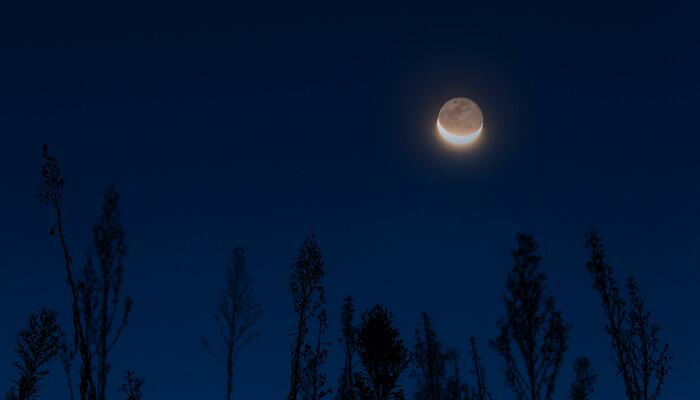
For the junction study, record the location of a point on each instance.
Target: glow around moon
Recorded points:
(460, 121)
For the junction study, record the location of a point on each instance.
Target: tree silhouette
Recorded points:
(533, 325)
(308, 296)
(110, 247)
(131, 386)
(455, 389)
(383, 355)
(313, 379)
(437, 370)
(67, 354)
(480, 390)
(346, 382)
(51, 193)
(585, 378)
(642, 361)
(236, 316)
(36, 345)
(100, 291)
(430, 360)
(88, 294)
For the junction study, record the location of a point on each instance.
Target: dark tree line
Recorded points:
(532, 340)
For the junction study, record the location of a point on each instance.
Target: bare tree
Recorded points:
(642, 361)
(313, 379)
(346, 382)
(308, 296)
(36, 346)
(383, 355)
(534, 325)
(51, 193)
(236, 316)
(131, 386)
(582, 387)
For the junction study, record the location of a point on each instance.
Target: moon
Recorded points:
(460, 121)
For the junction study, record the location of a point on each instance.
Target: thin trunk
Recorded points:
(316, 363)
(104, 327)
(87, 386)
(66, 361)
(530, 365)
(295, 378)
(348, 376)
(70, 388)
(229, 372)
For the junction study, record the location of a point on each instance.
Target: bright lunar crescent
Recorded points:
(460, 121)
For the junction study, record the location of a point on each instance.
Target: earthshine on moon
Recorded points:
(460, 121)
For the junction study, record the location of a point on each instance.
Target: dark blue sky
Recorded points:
(232, 125)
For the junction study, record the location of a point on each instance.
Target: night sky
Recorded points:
(227, 126)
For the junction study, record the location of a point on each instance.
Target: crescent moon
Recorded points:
(458, 139)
